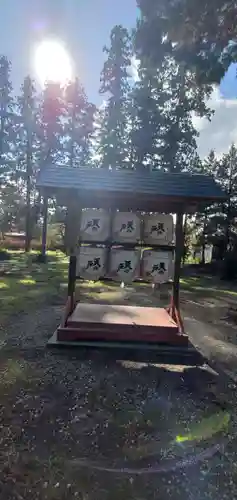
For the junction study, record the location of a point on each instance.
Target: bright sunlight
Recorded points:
(52, 62)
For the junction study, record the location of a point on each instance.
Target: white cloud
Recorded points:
(222, 130)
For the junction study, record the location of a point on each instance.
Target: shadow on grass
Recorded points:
(204, 288)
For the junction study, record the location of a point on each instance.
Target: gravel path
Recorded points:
(80, 425)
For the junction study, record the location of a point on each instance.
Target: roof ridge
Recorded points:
(147, 173)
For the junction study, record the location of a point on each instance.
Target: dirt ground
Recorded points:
(76, 424)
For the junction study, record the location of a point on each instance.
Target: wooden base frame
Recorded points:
(136, 351)
(125, 324)
(121, 323)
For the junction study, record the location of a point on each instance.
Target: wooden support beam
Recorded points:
(70, 304)
(72, 224)
(45, 226)
(71, 286)
(72, 275)
(179, 236)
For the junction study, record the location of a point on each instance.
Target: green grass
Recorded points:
(24, 284)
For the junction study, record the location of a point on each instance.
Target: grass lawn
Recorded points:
(25, 284)
(208, 286)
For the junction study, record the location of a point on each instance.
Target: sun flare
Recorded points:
(52, 62)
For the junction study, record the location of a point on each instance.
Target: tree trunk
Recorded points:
(28, 236)
(36, 209)
(1, 135)
(72, 155)
(2, 127)
(228, 212)
(228, 224)
(184, 236)
(203, 260)
(44, 229)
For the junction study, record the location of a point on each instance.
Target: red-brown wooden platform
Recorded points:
(98, 322)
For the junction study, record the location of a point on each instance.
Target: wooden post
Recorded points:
(44, 229)
(72, 276)
(178, 257)
(70, 304)
(71, 241)
(72, 224)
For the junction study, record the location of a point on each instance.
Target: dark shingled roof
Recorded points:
(154, 183)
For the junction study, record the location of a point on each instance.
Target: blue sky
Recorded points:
(84, 24)
(228, 86)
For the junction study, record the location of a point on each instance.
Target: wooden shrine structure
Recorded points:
(102, 205)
